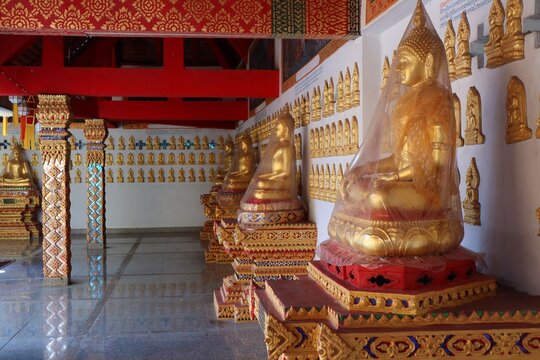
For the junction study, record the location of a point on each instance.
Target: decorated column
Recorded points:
(95, 132)
(54, 114)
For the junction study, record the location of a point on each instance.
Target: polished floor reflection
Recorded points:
(146, 297)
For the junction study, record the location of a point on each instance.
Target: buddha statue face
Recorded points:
(412, 70)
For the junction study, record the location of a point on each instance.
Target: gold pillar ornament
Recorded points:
(181, 175)
(471, 203)
(161, 175)
(457, 116)
(356, 86)
(517, 128)
(140, 159)
(121, 143)
(151, 159)
(224, 162)
(109, 178)
(473, 118)
(172, 143)
(171, 159)
(385, 72)
(140, 176)
(131, 159)
(202, 175)
(131, 143)
(191, 175)
(95, 131)
(463, 56)
(151, 176)
(340, 93)
(170, 176)
(54, 114)
(131, 176)
(119, 159)
(120, 176)
(405, 202)
(110, 143)
(161, 159)
(493, 48)
(513, 40)
(450, 49)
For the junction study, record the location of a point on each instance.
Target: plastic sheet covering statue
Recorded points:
(400, 197)
(272, 195)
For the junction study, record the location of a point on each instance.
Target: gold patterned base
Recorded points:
(513, 48)
(463, 67)
(207, 231)
(215, 253)
(494, 56)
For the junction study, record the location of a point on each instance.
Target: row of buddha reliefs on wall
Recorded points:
(324, 181)
(150, 159)
(151, 178)
(335, 139)
(156, 143)
(503, 46)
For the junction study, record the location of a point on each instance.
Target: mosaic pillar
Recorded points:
(95, 132)
(54, 114)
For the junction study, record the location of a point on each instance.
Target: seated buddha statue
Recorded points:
(406, 202)
(17, 171)
(242, 166)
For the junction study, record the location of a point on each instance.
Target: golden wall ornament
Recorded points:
(35, 160)
(463, 56)
(450, 49)
(161, 159)
(109, 178)
(121, 143)
(333, 140)
(172, 143)
(340, 93)
(140, 176)
(5, 159)
(191, 159)
(78, 177)
(202, 175)
(306, 114)
(204, 145)
(385, 73)
(202, 159)
(517, 128)
(316, 104)
(157, 143)
(161, 175)
(151, 159)
(95, 131)
(353, 147)
(220, 142)
(181, 143)
(119, 159)
(131, 159)
(212, 158)
(72, 144)
(212, 174)
(110, 143)
(513, 40)
(347, 96)
(170, 176)
(538, 218)
(120, 176)
(151, 176)
(356, 86)
(493, 47)
(181, 175)
(473, 119)
(330, 97)
(191, 177)
(471, 203)
(197, 143)
(78, 160)
(131, 176)
(108, 162)
(181, 159)
(131, 143)
(171, 159)
(339, 138)
(457, 116)
(149, 143)
(327, 141)
(347, 136)
(140, 159)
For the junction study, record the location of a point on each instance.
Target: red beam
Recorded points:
(198, 124)
(98, 53)
(241, 46)
(13, 45)
(163, 111)
(218, 54)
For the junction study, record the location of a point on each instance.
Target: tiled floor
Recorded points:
(146, 297)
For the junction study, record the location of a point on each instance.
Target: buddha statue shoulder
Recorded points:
(17, 171)
(242, 166)
(413, 187)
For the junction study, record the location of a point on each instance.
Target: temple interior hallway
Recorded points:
(148, 297)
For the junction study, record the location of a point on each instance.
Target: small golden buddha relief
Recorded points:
(72, 145)
(202, 159)
(78, 162)
(120, 176)
(161, 159)
(149, 143)
(340, 93)
(471, 203)
(78, 178)
(151, 176)
(181, 175)
(211, 158)
(121, 143)
(131, 159)
(347, 96)
(513, 40)
(327, 141)
(35, 160)
(517, 128)
(457, 117)
(353, 147)
(191, 159)
(306, 114)
(140, 159)
(171, 159)
(181, 159)
(151, 159)
(356, 86)
(110, 143)
(327, 183)
(181, 143)
(170, 176)
(339, 138)
(221, 141)
(331, 98)
(333, 193)
(538, 217)
(119, 159)
(299, 179)
(108, 160)
(172, 143)
(140, 176)
(385, 72)
(202, 175)
(450, 49)
(339, 176)
(131, 143)
(311, 143)
(347, 136)
(109, 178)
(204, 144)
(473, 120)
(157, 143)
(161, 175)
(296, 113)
(463, 56)
(191, 175)
(131, 176)
(212, 174)
(493, 48)
(197, 143)
(315, 105)
(333, 141)
(316, 145)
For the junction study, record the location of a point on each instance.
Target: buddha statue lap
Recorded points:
(406, 202)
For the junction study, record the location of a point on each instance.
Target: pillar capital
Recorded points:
(54, 111)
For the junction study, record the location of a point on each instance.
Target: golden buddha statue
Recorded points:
(225, 161)
(347, 90)
(211, 158)
(78, 177)
(131, 176)
(151, 159)
(517, 128)
(108, 159)
(17, 170)
(181, 159)
(131, 159)
(181, 143)
(140, 176)
(151, 176)
(110, 143)
(161, 159)
(161, 175)
(356, 86)
(473, 118)
(450, 49)
(191, 175)
(202, 159)
(463, 56)
(170, 176)
(120, 176)
(78, 160)
(202, 175)
(191, 159)
(121, 143)
(457, 117)
(513, 40)
(405, 202)
(119, 159)
(196, 143)
(273, 189)
(242, 166)
(157, 143)
(149, 143)
(35, 160)
(493, 47)
(340, 93)
(109, 178)
(204, 145)
(181, 175)
(171, 159)
(172, 143)
(131, 143)
(140, 159)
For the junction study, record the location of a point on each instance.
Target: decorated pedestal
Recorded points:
(19, 229)
(208, 201)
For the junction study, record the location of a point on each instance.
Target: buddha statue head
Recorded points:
(400, 196)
